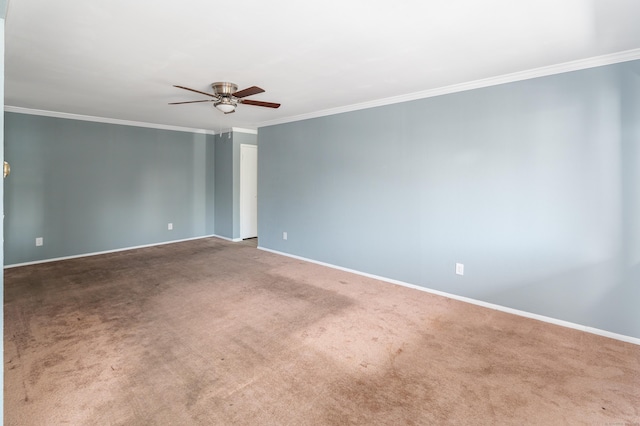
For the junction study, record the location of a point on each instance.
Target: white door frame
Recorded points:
(248, 188)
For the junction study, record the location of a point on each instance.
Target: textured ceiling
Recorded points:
(118, 59)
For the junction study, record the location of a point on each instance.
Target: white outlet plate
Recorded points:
(39, 241)
(170, 226)
(284, 235)
(459, 269)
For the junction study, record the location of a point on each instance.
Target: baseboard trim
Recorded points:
(555, 321)
(97, 253)
(233, 240)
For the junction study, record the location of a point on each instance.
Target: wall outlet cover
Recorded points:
(459, 269)
(39, 241)
(284, 235)
(170, 226)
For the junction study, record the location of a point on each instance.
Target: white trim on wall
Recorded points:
(243, 130)
(580, 64)
(56, 259)
(500, 308)
(233, 240)
(54, 114)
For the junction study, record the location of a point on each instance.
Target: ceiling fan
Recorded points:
(226, 97)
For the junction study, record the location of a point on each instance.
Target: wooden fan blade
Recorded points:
(197, 91)
(191, 102)
(259, 103)
(253, 90)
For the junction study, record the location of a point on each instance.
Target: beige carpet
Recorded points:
(209, 332)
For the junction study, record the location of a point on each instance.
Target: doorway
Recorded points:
(248, 191)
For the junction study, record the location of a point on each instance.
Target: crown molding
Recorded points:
(54, 114)
(581, 64)
(243, 130)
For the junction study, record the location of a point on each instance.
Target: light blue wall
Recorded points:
(87, 187)
(224, 185)
(209, 186)
(532, 185)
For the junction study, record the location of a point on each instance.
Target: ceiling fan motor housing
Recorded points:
(224, 89)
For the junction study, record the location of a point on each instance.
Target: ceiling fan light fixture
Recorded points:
(225, 105)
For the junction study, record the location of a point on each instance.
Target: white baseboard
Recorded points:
(234, 240)
(592, 330)
(76, 256)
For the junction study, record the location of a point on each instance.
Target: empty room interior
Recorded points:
(335, 213)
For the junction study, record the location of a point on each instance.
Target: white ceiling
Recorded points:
(118, 59)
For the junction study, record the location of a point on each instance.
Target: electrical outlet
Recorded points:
(39, 241)
(284, 235)
(459, 269)
(170, 226)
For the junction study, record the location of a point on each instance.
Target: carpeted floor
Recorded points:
(209, 332)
